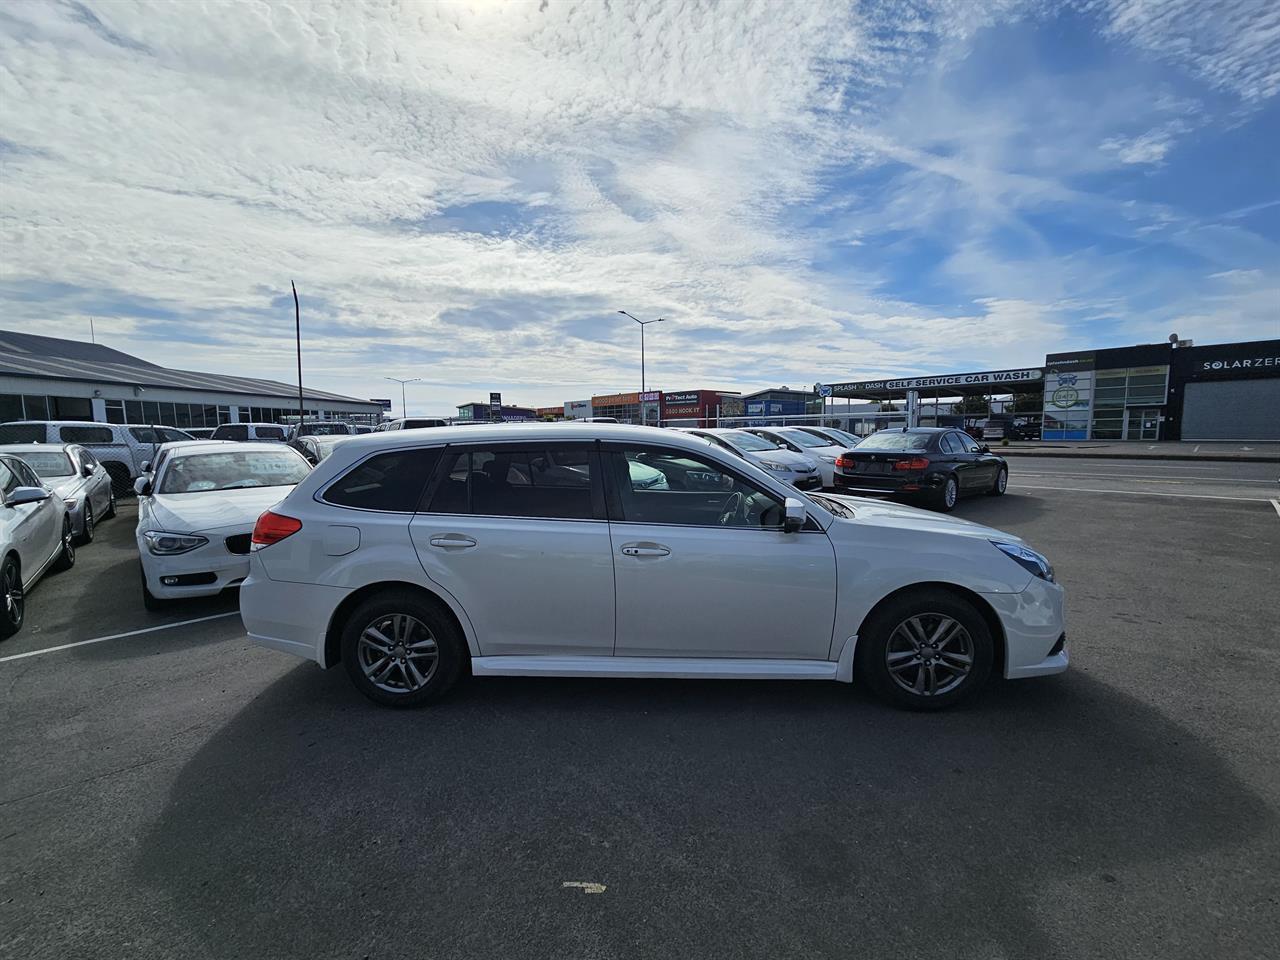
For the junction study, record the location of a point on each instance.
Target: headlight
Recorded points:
(770, 465)
(1028, 559)
(168, 544)
(825, 459)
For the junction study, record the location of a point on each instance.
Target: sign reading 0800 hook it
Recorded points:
(986, 378)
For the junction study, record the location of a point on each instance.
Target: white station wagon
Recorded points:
(520, 550)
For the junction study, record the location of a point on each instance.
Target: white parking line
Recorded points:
(1276, 504)
(120, 636)
(1142, 493)
(1133, 476)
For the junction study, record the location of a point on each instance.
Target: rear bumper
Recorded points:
(906, 484)
(289, 617)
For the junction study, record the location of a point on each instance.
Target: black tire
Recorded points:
(376, 612)
(880, 639)
(86, 530)
(111, 507)
(1001, 481)
(149, 600)
(14, 608)
(947, 495)
(67, 556)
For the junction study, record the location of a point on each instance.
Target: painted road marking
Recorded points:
(1144, 493)
(585, 886)
(120, 636)
(1134, 476)
(1276, 504)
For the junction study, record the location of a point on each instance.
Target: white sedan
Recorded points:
(35, 536)
(197, 510)
(821, 449)
(76, 476)
(411, 558)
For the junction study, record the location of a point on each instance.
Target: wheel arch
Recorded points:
(333, 633)
(972, 597)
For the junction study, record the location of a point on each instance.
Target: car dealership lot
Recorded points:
(182, 793)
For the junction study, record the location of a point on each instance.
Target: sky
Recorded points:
(467, 193)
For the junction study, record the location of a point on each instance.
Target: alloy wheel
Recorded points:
(88, 521)
(68, 541)
(14, 599)
(398, 653)
(950, 493)
(1002, 480)
(929, 654)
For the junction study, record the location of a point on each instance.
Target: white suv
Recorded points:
(413, 556)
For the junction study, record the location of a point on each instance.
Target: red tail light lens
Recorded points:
(272, 528)
(915, 463)
(844, 460)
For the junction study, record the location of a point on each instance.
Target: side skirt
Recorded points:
(710, 668)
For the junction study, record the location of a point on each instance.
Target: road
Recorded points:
(182, 793)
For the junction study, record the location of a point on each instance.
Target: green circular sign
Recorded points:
(1065, 397)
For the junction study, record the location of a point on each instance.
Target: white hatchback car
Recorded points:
(411, 557)
(197, 510)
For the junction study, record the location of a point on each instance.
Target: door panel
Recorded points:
(528, 586)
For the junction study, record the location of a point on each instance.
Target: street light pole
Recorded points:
(404, 409)
(643, 324)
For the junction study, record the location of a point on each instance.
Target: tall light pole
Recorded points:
(643, 324)
(404, 411)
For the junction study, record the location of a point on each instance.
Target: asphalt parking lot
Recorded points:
(180, 793)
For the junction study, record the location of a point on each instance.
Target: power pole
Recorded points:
(297, 330)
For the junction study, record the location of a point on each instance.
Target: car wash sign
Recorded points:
(994, 380)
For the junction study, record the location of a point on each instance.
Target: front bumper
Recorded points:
(804, 481)
(1034, 625)
(203, 572)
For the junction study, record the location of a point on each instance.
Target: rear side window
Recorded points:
(167, 434)
(86, 435)
(391, 481)
(269, 433)
(948, 443)
(545, 483)
(231, 432)
(23, 433)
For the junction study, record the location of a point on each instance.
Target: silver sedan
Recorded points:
(76, 477)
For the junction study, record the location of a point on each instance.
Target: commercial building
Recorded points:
(642, 408)
(48, 378)
(469, 412)
(1153, 391)
(695, 408)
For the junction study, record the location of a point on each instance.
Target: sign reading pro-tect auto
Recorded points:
(987, 378)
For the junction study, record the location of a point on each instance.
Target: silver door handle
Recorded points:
(647, 550)
(452, 540)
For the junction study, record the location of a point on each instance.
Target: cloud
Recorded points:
(468, 193)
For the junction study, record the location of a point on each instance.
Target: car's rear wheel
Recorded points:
(15, 601)
(1001, 482)
(947, 495)
(925, 650)
(402, 649)
(67, 556)
(86, 532)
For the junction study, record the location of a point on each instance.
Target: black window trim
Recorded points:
(614, 496)
(598, 495)
(319, 495)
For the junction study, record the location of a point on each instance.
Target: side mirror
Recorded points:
(795, 515)
(142, 487)
(86, 471)
(146, 466)
(23, 495)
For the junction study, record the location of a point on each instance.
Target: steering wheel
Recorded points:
(730, 509)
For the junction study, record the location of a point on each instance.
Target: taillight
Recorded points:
(272, 528)
(844, 460)
(915, 463)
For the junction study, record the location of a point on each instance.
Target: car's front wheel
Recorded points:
(925, 650)
(1001, 483)
(15, 601)
(86, 531)
(402, 649)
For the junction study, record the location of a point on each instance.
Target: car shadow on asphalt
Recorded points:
(725, 819)
(1012, 508)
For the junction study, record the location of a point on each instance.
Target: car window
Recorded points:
(88, 459)
(269, 433)
(694, 492)
(26, 476)
(896, 440)
(52, 463)
(392, 481)
(802, 439)
(971, 445)
(550, 482)
(86, 435)
(23, 433)
(202, 472)
(9, 480)
(167, 434)
(231, 431)
(144, 434)
(948, 444)
(748, 441)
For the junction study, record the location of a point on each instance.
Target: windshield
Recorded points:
(324, 430)
(896, 440)
(325, 445)
(202, 472)
(802, 439)
(842, 437)
(748, 441)
(51, 464)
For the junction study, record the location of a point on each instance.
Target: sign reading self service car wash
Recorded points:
(988, 378)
